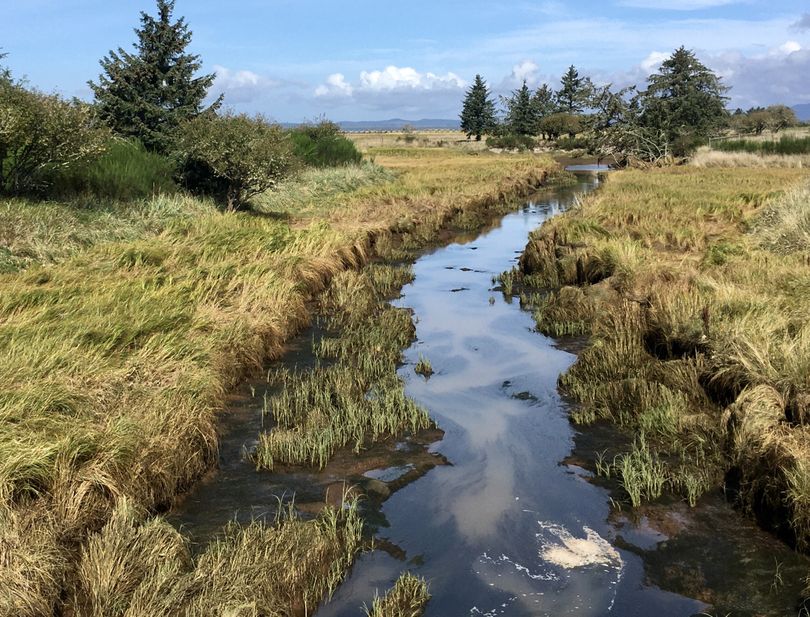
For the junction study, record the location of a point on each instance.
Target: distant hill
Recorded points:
(396, 124)
(802, 112)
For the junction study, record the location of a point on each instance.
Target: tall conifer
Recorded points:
(478, 113)
(149, 93)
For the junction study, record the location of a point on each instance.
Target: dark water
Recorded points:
(508, 528)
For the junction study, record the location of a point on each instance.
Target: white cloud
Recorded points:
(787, 48)
(336, 85)
(402, 88)
(240, 86)
(527, 71)
(651, 63)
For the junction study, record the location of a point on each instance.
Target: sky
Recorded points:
(296, 60)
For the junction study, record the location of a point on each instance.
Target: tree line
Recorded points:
(682, 106)
(153, 97)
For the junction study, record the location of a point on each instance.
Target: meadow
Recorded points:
(692, 284)
(124, 325)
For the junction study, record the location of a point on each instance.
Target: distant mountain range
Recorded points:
(802, 112)
(396, 124)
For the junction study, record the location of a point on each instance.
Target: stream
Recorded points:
(512, 525)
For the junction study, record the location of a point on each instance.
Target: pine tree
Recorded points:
(520, 115)
(543, 102)
(478, 113)
(149, 93)
(574, 92)
(684, 101)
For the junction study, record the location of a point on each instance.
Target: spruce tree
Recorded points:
(520, 114)
(543, 102)
(478, 112)
(684, 101)
(574, 92)
(149, 93)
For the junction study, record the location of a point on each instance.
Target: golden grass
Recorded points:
(115, 358)
(694, 284)
(706, 157)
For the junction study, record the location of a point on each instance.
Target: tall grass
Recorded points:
(117, 351)
(699, 328)
(141, 567)
(785, 145)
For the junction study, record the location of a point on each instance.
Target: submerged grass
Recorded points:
(693, 283)
(358, 398)
(121, 335)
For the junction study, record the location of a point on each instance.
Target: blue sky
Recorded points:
(363, 59)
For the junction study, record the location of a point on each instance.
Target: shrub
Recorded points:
(234, 157)
(511, 141)
(42, 135)
(558, 124)
(323, 145)
(126, 171)
(785, 145)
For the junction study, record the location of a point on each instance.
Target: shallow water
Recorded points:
(508, 528)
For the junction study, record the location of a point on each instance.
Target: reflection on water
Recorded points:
(507, 529)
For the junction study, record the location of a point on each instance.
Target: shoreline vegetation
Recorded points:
(691, 286)
(119, 345)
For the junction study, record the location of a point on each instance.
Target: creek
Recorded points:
(514, 524)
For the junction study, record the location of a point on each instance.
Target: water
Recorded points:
(509, 528)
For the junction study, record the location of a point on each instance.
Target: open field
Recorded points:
(693, 283)
(119, 338)
(417, 139)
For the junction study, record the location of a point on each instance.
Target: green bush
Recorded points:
(126, 171)
(511, 141)
(234, 157)
(785, 145)
(323, 145)
(42, 135)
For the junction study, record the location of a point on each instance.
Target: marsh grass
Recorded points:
(407, 598)
(358, 398)
(423, 367)
(140, 566)
(123, 329)
(693, 285)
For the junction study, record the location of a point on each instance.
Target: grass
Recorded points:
(119, 339)
(407, 598)
(423, 367)
(785, 145)
(358, 398)
(142, 566)
(693, 283)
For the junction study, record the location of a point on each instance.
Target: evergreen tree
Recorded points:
(574, 92)
(520, 113)
(543, 101)
(684, 100)
(149, 93)
(478, 113)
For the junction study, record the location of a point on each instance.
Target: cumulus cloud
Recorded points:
(527, 71)
(241, 86)
(651, 63)
(404, 88)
